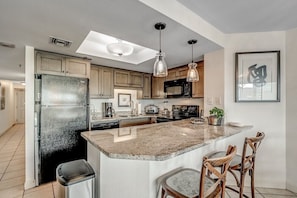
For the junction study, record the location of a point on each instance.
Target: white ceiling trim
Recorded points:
(184, 16)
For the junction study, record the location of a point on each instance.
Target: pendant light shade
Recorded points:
(160, 66)
(193, 75)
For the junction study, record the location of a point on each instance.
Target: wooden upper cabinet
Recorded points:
(198, 87)
(124, 78)
(101, 82)
(136, 79)
(77, 67)
(177, 73)
(56, 64)
(50, 64)
(121, 78)
(147, 88)
(145, 92)
(158, 87)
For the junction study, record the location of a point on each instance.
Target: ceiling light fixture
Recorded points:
(160, 66)
(120, 48)
(193, 74)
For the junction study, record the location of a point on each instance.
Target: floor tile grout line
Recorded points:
(5, 171)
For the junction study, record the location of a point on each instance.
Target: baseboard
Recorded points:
(292, 188)
(7, 130)
(29, 184)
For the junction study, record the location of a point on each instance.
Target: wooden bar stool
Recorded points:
(243, 163)
(191, 183)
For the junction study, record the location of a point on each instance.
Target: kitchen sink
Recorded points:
(127, 116)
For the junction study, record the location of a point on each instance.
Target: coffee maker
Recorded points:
(107, 109)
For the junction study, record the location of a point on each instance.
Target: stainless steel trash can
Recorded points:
(76, 179)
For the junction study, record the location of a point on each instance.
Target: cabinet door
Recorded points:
(136, 79)
(94, 82)
(107, 88)
(198, 87)
(182, 72)
(158, 87)
(77, 68)
(101, 82)
(47, 63)
(121, 78)
(146, 86)
(171, 74)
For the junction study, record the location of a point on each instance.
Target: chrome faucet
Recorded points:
(133, 110)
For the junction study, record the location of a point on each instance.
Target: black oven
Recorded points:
(178, 88)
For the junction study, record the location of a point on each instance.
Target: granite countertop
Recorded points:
(157, 142)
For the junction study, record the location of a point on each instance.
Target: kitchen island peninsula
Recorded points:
(128, 161)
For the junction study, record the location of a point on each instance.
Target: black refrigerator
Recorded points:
(61, 114)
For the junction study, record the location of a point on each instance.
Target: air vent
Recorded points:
(59, 42)
(9, 45)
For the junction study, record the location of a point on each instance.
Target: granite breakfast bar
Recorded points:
(128, 161)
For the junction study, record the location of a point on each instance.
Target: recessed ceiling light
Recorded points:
(95, 44)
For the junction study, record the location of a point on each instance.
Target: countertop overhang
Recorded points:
(157, 142)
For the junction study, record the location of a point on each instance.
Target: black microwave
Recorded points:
(178, 88)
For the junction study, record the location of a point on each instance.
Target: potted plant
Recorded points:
(216, 116)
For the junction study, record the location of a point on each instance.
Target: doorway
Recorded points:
(19, 105)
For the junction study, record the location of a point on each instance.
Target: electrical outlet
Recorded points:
(209, 100)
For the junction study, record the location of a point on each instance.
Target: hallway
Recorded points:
(12, 172)
(12, 167)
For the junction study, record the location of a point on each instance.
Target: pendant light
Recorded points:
(193, 74)
(160, 66)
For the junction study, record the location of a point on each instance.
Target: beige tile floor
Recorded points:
(12, 172)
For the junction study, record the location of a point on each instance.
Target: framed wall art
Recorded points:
(2, 97)
(257, 76)
(124, 100)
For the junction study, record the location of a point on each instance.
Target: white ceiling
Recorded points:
(31, 22)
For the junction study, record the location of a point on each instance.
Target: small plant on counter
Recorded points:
(219, 113)
(216, 116)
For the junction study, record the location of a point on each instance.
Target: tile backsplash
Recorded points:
(96, 104)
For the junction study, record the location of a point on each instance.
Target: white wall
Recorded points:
(214, 80)
(291, 109)
(268, 117)
(29, 120)
(7, 117)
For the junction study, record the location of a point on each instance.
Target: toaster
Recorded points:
(151, 109)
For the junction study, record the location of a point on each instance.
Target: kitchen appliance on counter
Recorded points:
(178, 88)
(151, 109)
(180, 112)
(61, 114)
(107, 109)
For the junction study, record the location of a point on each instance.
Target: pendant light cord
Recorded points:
(192, 53)
(160, 40)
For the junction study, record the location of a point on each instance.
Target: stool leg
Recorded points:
(163, 193)
(242, 176)
(252, 174)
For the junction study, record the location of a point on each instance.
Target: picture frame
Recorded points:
(257, 76)
(124, 100)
